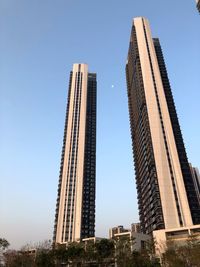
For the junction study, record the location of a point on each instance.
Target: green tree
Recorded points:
(44, 254)
(4, 244)
(44, 258)
(90, 253)
(76, 253)
(18, 259)
(143, 259)
(105, 251)
(123, 251)
(125, 256)
(172, 259)
(60, 254)
(185, 254)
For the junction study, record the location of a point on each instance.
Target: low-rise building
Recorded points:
(117, 230)
(137, 239)
(177, 235)
(136, 227)
(91, 240)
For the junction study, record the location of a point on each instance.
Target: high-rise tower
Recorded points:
(75, 209)
(166, 192)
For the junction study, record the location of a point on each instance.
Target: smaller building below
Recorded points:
(136, 227)
(117, 230)
(91, 240)
(177, 235)
(137, 239)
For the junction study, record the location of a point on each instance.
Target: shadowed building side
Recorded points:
(198, 5)
(196, 179)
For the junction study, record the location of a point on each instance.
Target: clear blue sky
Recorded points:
(40, 40)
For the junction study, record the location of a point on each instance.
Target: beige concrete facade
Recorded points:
(117, 230)
(138, 241)
(136, 227)
(149, 64)
(178, 236)
(73, 211)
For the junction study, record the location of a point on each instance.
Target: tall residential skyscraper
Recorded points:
(75, 209)
(166, 192)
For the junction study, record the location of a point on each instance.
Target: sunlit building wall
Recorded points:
(166, 193)
(75, 209)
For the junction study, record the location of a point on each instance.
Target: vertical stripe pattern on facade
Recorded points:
(163, 199)
(71, 194)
